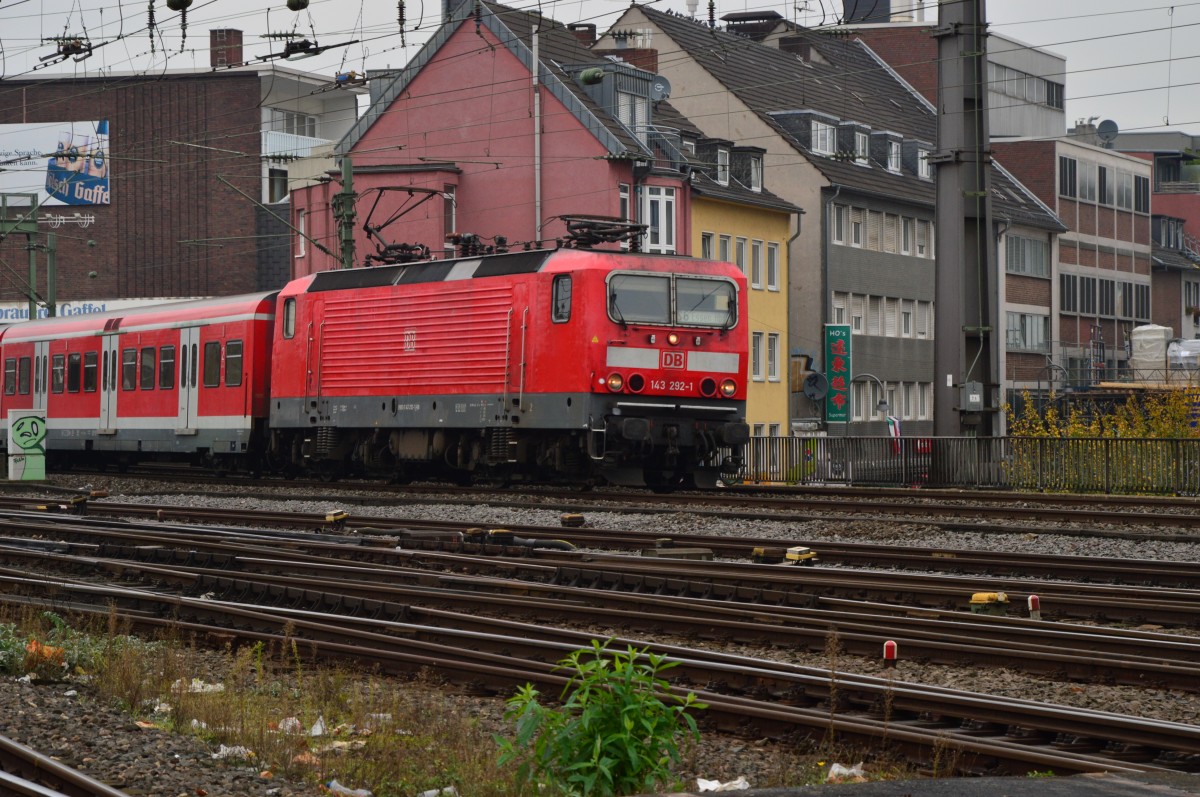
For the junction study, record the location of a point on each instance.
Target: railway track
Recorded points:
(27, 773)
(988, 735)
(948, 508)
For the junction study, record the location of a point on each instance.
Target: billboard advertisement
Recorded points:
(65, 163)
(838, 370)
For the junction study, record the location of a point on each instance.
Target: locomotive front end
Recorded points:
(671, 392)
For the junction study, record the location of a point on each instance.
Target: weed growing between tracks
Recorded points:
(394, 736)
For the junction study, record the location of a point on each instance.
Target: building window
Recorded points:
(1141, 194)
(822, 138)
(773, 357)
(301, 232)
(706, 245)
(756, 356)
(923, 247)
(838, 227)
(277, 185)
(723, 248)
(893, 156)
(1067, 185)
(1087, 295)
(723, 166)
(756, 173)
(906, 236)
(906, 327)
(862, 149)
(1125, 190)
(856, 227)
(633, 111)
(1068, 292)
(1027, 256)
(450, 209)
(623, 193)
(759, 429)
(773, 429)
(297, 124)
(660, 220)
(1088, 179)
(1028, 332)
(924, 167)
(756, 248)
(739, 254)
(772, 267)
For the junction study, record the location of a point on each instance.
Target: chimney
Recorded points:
(584, 31)
(796, 45)
(224, 47)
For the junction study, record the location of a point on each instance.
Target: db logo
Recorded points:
(673, 359)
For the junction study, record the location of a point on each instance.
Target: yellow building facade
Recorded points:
(755, 238)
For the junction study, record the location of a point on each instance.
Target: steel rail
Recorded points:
(37, 774)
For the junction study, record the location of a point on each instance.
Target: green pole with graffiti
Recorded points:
(26, 453)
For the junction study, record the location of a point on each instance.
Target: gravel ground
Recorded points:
(145, 761)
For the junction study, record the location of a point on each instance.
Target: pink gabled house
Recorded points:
(466, 139)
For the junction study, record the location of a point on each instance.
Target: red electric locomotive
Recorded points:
(563, 364)
(179, 380)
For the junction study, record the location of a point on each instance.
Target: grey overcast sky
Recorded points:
(1133, 61)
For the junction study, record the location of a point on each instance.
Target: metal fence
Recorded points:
(1102, 465)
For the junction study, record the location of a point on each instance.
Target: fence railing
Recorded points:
(1102, 465)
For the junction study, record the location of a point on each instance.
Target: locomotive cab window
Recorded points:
(706, 302)
(640, 298)
(672, 299)
(74, 361)
(58, 371)
(90, 363)
(561, 311)
(10, 376)
(233, 363)
(212, 364)
(289, 317)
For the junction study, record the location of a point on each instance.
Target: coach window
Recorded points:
(73, 367)
(90, 361)
(212, 364)
(166, 367)
(233, 363)
(146, 382)
(289, 317)
(10, 376)
(562, 299)
(57, 373)
(23, 376)
(129, 369)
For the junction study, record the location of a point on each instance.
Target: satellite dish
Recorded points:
(1107, 131)
(816, 386)
(660, 88)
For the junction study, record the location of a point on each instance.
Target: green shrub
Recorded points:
(612, 735)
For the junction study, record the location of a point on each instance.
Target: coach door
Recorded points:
(41, 372)
(110, 381)
(189, 374)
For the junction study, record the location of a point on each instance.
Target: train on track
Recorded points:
(564, 364)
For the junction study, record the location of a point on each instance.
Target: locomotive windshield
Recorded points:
(672, 300)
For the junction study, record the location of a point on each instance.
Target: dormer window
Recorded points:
(822, 138)
(893, 156)
(756, 173)
(924, 168)
(862, 148)
(633, 111)
(723, 166)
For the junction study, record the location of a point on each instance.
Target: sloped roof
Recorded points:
(1172, 259)
(845, 80)
(557, 47)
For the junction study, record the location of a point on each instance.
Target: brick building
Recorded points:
(192, 163)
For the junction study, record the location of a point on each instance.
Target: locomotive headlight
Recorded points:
(673, 339)
(615, 382)
(728, 388)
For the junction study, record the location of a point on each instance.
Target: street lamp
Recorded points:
(882, 407)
